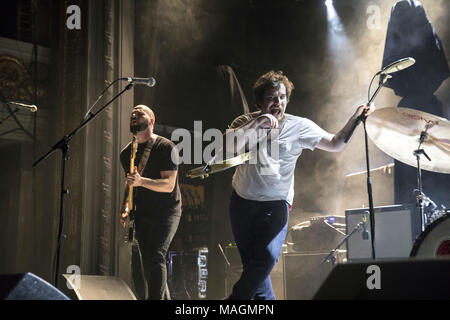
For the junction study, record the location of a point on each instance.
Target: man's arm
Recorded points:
(165, 184)
(245, 133)
(336, 143)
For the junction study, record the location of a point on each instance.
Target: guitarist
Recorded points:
(157, 202)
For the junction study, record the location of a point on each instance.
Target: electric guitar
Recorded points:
(128, 206)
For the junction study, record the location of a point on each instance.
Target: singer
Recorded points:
(262, 198)
(157, 202)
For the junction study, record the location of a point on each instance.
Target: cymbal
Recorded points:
(200, 172)
(396, 131)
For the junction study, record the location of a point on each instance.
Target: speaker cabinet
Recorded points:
(187, 274)
(28, 286)
(396, 228)
(397, 279)
(92, 287)
(304, 273)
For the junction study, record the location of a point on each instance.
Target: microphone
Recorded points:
(30, 107)
(365, 233)
(147, 81)
(397, 65)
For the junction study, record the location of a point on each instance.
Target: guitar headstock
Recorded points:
(134, 145)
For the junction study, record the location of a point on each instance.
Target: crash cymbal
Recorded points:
(396, 131)
(204, 172)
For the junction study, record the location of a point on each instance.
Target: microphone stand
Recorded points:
(63, 145)
(331, 256)
(362, 118)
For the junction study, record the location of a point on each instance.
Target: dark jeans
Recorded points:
(259, 229)
(153, 239)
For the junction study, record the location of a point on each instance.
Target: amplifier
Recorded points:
(187, 274)
(396, 228)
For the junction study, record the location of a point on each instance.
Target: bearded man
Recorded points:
(157, 202)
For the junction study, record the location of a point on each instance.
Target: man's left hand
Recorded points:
(364, 109)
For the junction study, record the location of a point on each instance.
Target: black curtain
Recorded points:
(410, 34)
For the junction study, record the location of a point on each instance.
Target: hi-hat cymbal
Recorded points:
(396, 131)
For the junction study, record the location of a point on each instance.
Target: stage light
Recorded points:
(339, 45)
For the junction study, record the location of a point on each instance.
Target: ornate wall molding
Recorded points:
(104, 177)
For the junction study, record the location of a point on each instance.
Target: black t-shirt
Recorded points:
(151, 204)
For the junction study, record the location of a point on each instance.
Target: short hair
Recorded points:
(271, 79)
(146, 109)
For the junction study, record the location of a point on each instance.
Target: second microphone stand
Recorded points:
(332, 255)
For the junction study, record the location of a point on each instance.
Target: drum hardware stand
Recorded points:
(227, 271)
(63, 145)
(332, 255)
(420, 196)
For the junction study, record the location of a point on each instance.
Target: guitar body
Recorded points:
(129, 197)
(128, 216)
(130, 227)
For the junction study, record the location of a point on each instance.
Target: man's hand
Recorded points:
(337, 142)
(124, 213)
(123, 219)
(134, 179)
(267, 121)
(364, 109)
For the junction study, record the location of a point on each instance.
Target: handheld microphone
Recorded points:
(147, 81)
(397, 65)
(29, 107)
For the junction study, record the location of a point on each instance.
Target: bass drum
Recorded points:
(434, 241)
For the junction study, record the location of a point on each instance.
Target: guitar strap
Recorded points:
(145, 156)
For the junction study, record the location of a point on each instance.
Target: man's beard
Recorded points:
(138, 127)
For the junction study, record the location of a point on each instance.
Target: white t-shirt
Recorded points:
(272, 177)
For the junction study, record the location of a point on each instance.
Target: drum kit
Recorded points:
(406, 135)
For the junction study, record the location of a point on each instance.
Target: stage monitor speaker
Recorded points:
(89, 287)
(27, 286)
(388, 280)
(304, 273)
(396, 228)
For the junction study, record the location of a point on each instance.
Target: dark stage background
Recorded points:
(202, 53)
